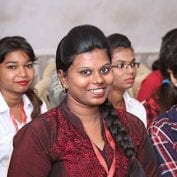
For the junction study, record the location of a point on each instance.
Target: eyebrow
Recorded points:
(15, 62)
(87, 67)
(126, 61)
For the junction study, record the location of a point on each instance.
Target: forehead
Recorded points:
(96, 57)
(16, 56)
(122, 54)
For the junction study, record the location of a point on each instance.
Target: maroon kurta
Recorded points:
(55, 145)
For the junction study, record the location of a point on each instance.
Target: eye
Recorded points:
(120, 65)
(105, 69)
(134, 64)
(30, 65)
(12, 67)
(85, 72)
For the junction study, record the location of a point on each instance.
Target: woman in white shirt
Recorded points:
(124, 69)
(18, 102)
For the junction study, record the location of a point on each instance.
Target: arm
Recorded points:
(31, 155)
(143, 147)
(165, 151)
(144, 152)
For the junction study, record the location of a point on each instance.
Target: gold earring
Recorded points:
(65, 89)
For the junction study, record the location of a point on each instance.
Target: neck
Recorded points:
(12, 100)
(84, 112)
(90, 118)
(116, 98)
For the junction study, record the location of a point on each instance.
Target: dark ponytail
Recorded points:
(169, 92)
(122, 139)
(36, 102)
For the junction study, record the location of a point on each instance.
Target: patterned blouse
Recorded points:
(56, 145)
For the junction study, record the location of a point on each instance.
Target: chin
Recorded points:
(128, 86)
(100, 102)
(21, 91)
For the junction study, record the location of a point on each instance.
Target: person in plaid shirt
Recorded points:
(163, 131)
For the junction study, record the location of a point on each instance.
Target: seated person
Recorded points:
(163, 133)
(124, 70)
(166, 95)
(84, 136)
(153, 81)
(19, 103)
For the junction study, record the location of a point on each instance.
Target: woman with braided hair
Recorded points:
(83, 136)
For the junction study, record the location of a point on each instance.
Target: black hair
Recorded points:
(82, 39)
(117, 40)
(168, 52)
(169, 34)
(168, 60)
(155, 65)
(14, 43)
(122, 139)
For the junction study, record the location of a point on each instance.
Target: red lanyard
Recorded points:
(23, 118)
(111, 171)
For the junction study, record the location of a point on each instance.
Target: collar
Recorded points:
(127, 100)
(4, 107)
(69, 116)
(126, 96)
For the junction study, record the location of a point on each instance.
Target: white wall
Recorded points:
(44, 22)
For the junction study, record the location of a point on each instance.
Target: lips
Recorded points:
(130, 80)
(23, 83)
(98, 91)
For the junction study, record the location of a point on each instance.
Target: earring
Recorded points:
(64, 89)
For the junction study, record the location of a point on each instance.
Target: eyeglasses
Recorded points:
(125, 65)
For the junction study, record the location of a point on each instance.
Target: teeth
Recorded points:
(97, 90)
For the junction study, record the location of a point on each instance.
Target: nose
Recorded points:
(98, 78)
(130, 69)
(22, 72)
